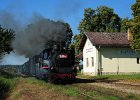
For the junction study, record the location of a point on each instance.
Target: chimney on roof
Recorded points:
(129, 35)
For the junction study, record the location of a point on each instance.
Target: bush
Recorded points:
(5, 86)
(7, 82)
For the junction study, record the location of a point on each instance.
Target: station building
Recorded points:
(108, 53)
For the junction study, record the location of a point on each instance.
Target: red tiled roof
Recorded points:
(106, 39)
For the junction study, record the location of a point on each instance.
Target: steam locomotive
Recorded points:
(54, 64)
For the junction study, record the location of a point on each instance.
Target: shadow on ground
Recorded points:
(80, 80)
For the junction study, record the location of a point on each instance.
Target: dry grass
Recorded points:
(33, 89)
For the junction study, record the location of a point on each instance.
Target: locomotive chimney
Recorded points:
(129, 35)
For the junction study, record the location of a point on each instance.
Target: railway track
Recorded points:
(117, 82)
(84, 91)
(119, 90)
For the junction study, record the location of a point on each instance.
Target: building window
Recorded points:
(138, 60)
(87, 62)
(92, 61)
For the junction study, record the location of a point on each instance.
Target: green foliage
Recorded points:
(8, 73)
(69, 33)
(135, 26)
(33, 80)
(132, 77)
(124, 24)
(69, 91)
(76, 41)
(99, 96)
(7, 83)
(6, 37)
(103, 19)
(86, 24)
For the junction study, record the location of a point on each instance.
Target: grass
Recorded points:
(63, 89)
(98, 93)
(66, 90)
(128, 77)
(7, 82)
(99, 96)
(69, 91)
(32, 80)
(90, 93)
(125, 77)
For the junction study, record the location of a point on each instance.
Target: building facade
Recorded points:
(108, 53)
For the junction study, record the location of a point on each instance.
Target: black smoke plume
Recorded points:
(38, 35)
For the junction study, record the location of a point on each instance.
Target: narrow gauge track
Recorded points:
(88, 85)
(104, 80)
(126, 84)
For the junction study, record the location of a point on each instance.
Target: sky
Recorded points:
(70, 11)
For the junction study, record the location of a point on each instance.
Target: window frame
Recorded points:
(87, 62)
(92, 61)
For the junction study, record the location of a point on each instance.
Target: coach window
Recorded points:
(92, 61)
(138, 60)
(87, 62)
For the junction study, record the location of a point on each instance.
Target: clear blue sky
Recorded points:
(70, 11)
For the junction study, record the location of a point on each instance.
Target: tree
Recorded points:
(86, 24)
(76, 41)
(109, 21)
(135, 26)
(103, 19)
(124, 24)
(69, 34)
(6, 37)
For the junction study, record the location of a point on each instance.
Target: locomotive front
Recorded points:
(61, 64)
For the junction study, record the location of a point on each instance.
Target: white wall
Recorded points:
(88, 52)
(122, 60)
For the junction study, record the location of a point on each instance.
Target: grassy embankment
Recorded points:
(7, 81)
(34, 89)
